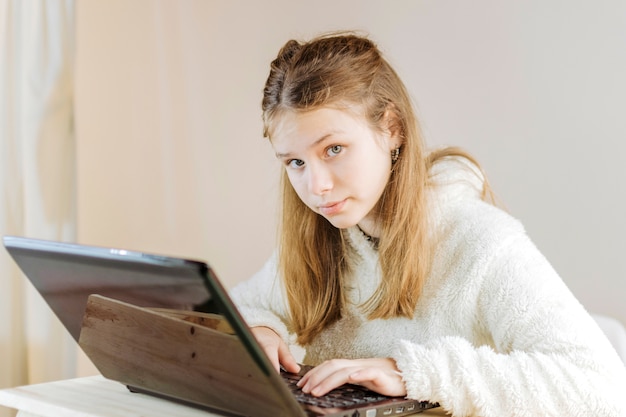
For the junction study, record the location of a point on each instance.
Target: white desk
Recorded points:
(96, 396)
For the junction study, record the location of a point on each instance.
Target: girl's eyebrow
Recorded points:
(317, 142)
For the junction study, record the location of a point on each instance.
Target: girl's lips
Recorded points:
(332, 208)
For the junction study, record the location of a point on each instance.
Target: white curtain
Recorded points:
(37, 178)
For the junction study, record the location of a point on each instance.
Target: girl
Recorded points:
(395, 270)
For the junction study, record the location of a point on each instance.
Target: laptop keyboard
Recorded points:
(344, 396)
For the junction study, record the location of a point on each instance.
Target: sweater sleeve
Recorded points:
(548, 356)
(261, 300)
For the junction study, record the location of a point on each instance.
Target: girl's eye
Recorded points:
(295, 163)
(334, 150)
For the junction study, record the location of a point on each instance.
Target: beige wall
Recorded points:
(171, 158)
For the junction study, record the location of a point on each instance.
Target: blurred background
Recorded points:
(137, 125)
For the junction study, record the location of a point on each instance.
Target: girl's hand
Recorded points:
(378, 374)
(276, 349)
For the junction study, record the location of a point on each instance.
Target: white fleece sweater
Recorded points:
(495, 333)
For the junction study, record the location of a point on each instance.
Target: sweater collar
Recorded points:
(359, 241)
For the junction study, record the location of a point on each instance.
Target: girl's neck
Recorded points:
(369, 228)
(369, 238)
(370, 231)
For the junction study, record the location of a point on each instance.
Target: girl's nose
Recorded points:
(320, 179)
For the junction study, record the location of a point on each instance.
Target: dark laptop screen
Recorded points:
(66, 274)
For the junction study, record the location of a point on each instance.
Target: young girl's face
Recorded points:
(337, 164)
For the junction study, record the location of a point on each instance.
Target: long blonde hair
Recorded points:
(337, 69)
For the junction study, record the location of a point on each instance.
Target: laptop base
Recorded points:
(165, 353)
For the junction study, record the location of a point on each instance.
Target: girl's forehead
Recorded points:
(321, 121)
(287, 121)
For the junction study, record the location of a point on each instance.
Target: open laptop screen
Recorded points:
(66, 274)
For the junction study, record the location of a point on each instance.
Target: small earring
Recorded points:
(395, 154)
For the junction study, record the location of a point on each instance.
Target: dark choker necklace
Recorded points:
(373, 240)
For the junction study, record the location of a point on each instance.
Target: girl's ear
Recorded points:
(392, 126)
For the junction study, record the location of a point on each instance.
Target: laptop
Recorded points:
(68, 276)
